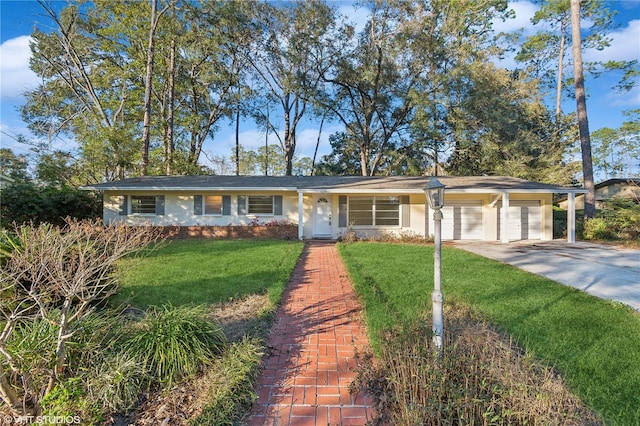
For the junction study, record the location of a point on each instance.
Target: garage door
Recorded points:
(525, 220)
(462, 220)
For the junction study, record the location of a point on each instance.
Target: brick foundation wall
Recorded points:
(285, 232)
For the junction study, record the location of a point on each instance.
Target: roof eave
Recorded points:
(336, 190)
(185, 188)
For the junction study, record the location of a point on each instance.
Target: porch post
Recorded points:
(571, 218)
(300, 215)
(504, 218)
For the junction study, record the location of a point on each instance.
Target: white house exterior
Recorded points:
(476, 208)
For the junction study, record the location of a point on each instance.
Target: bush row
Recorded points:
(24, 202)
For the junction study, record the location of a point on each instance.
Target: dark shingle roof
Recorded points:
(410, 184)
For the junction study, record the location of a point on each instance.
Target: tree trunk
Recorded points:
(148, 83)
(583, 123)
(315, 152)
(7, 394)
(146, 120)
(170, 145)
(560, 77)
(288, 154)
(238, 140)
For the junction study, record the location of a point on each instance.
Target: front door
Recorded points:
(321, 217)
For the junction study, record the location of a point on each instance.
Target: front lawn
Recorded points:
(595, 344)
(238, 284)
(203, 272)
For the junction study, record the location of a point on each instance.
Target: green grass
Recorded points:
(195, 272)
(595, 344)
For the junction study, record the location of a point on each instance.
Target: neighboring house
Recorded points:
(328, 206)
(619, 187)
(5, 181)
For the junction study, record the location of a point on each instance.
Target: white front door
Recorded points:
(321, 217)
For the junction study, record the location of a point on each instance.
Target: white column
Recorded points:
(571, 218)
(300, 215)
(504, 219)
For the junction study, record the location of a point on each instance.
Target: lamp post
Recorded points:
(434, 190)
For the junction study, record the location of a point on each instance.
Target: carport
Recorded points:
(502, 209)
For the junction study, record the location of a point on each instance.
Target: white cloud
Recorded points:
(15, 75)
(625, 45)
(357, 16)
(524, 11)
(629, 100)
(307, 139)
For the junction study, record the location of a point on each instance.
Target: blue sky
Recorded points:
(17, 19)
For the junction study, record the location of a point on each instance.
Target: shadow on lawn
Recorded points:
(194, 291)
(209, 246)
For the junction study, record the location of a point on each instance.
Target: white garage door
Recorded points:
(525, 220)
(462, 220)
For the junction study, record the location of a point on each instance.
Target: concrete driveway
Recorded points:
(603, 271)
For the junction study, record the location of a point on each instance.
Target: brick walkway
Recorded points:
(305, 378)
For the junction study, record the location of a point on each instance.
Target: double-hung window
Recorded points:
(213, 204)
(374, 211)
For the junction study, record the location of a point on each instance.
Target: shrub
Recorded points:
(479, 379)
(626, 217)
(172, 343)
(26, 202)
(402, 236)
(559, 222)
(67, 402)
(599, 229)
(116, 381)
(33, 344)
(56, 275)
(618, 220)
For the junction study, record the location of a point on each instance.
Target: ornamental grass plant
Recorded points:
(481, 378)
(172, 343)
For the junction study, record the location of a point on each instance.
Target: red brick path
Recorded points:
(305, 378)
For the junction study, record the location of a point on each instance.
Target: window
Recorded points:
(259, 204)
(374, 211)
(387, 211)
(213, 204)
(143, 204)
(361, 210)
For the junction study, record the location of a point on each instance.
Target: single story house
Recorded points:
(489, 208)
(628, 188)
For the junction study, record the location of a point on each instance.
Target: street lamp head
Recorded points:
(434, 190)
